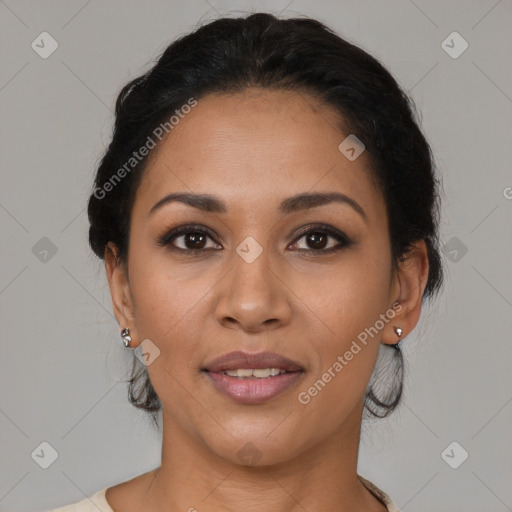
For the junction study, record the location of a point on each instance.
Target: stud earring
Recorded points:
(398, 332)
(125, 336)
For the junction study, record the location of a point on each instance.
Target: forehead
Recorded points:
(249, 147)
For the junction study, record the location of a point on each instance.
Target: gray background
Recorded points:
(63, 364)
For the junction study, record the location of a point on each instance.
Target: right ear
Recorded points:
(122, 300)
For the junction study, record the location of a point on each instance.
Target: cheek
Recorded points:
(164, 299)
(345, 311)
(346, 346)
(348, 295)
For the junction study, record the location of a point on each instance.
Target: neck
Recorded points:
(193, 478)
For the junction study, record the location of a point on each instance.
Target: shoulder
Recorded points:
(93, 503)
(381, 495)
(122, 496)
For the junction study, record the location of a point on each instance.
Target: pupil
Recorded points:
(194, 239)
(314, 238)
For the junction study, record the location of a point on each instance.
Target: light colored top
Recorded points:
(98, 501)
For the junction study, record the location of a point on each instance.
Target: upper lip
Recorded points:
(245, 360)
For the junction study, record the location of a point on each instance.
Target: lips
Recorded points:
(257, 386)
(239, 360)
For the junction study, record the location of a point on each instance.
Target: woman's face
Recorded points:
(261, 282)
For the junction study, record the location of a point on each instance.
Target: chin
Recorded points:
(255, 449)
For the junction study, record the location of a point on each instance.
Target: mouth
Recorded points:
(254, 373)
(253, 378)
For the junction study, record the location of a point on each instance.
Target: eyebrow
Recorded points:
(304, 201)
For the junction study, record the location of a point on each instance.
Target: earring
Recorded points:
(398, 332)
(125, 336)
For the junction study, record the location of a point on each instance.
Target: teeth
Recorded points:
(258, 373)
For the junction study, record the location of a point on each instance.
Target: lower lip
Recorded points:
(253, 390)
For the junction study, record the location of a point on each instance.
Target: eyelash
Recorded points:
(169, 237)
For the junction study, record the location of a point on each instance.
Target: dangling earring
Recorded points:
(125, 336)
(398, 332)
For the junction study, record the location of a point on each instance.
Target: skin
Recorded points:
(252, 150)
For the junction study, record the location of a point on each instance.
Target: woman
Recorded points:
(268, 214)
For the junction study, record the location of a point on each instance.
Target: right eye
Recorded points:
(192, 239)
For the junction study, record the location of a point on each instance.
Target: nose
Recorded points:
(253, 297)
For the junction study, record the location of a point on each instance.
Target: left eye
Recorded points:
(318, 239)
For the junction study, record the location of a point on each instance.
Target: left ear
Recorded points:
(409, 284)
